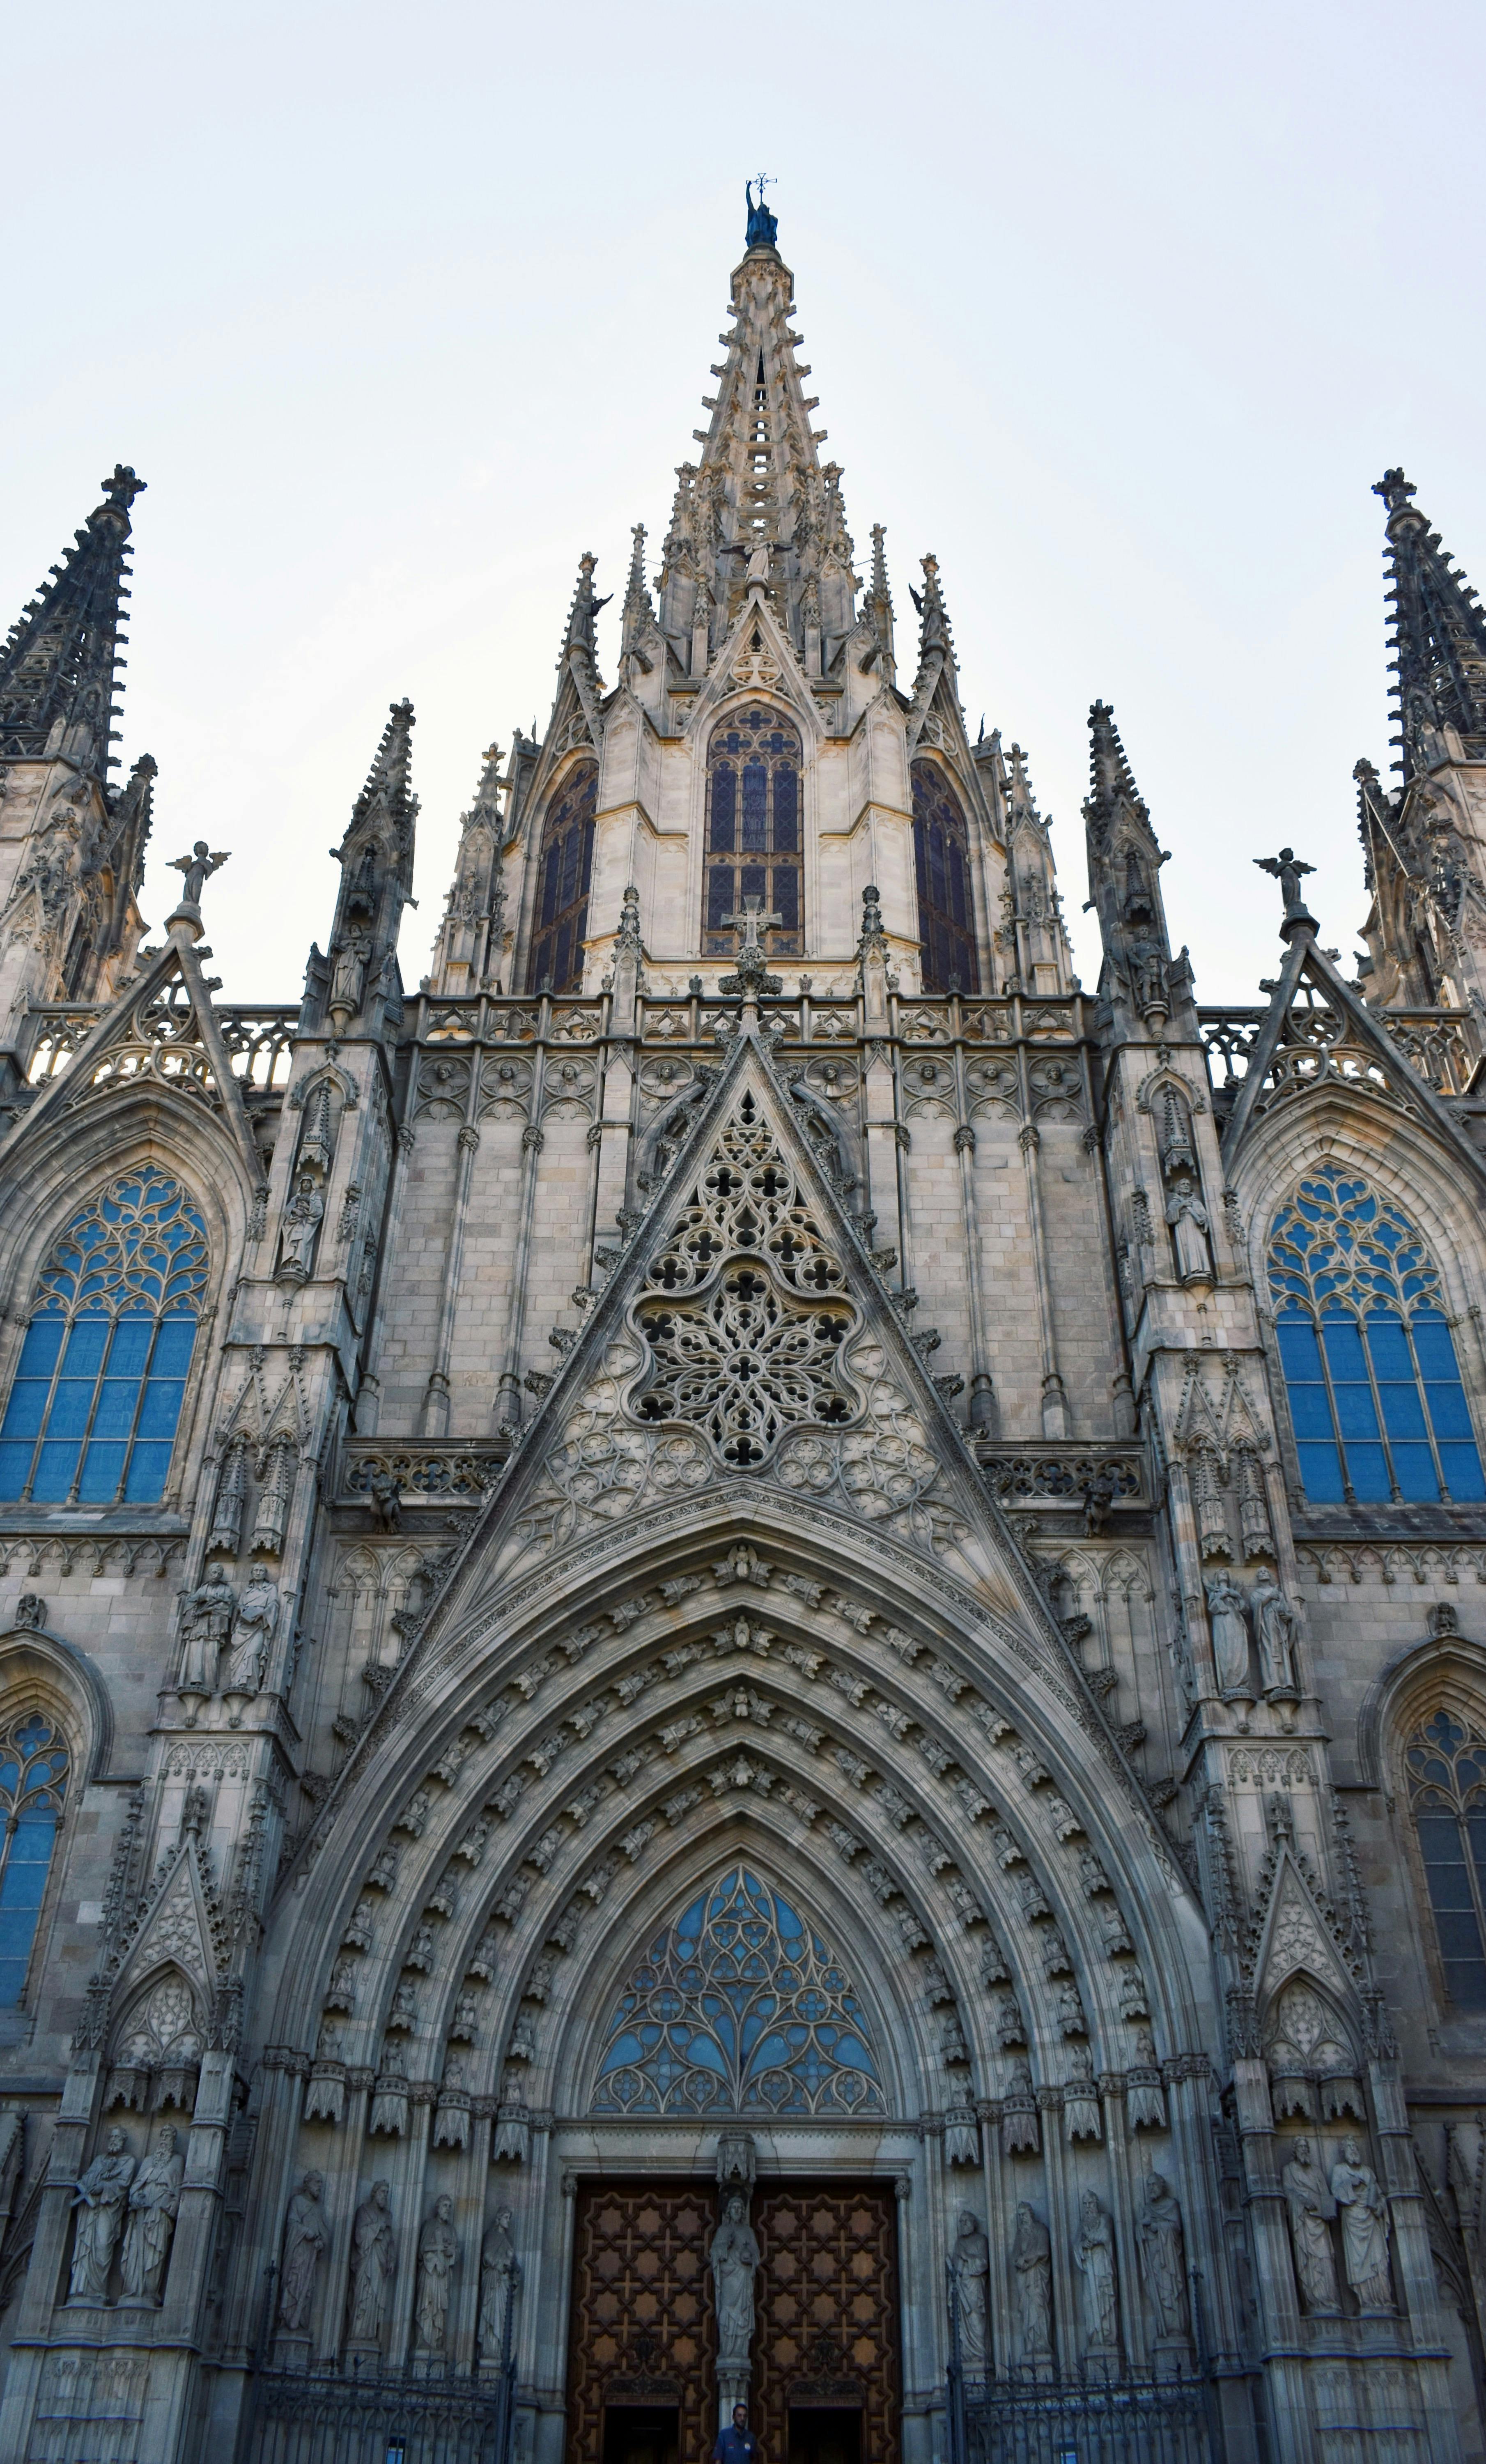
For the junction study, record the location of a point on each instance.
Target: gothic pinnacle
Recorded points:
(59, 667)
(1437, 638)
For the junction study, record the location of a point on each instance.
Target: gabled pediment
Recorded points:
(745, 1340)
(158, 1034)
(771, 667)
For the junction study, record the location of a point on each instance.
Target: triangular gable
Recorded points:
(1296, 1935)
(1305, 963)
(180, 1924)
(774, 667)
(647, 1408)
(173, 1046)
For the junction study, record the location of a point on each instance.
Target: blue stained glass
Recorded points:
(719, 897)
(786, 898)
(56, 1467)
(1320, 1474)
(1462, 1466)
(1343, 1256)
(32, 1787)
(116, 1301)
(737, 2007)
(1444, 1773)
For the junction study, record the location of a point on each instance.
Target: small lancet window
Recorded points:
(96, 1396)
(753, 835)
(33, 1784)
(1446, 1766)
(1376, 1401)
(564, 865)
(946, 902)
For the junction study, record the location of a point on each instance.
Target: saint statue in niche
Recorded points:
(735, 2258)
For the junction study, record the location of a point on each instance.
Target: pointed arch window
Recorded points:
(946, 902)
(1446, 1766)
(33, 1771)
(738, 2007)
(565, 867)
(96, 1396)
(755, 835)
(1376, 1401)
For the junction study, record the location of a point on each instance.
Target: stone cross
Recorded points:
(751, 923)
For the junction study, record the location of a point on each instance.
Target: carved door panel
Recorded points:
(827, 2296)
(642, 2326)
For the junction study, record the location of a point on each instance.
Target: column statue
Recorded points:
(1031, 2269)
(438, 2253)
(1365, 2228)
(154, 2197)
(206, 1620)
(253, 1629)
(1229, 1617)
(306, 2234)
(733, 2258)
(1188, 1219)
(1163, 2253)
(1276, 1630)
(373, 2262)
(1094, 2257)
(1312, 2207)
(99, 2201)
(500, 2275)
(970, 2260)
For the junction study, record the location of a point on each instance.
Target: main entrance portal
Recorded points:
(643, 2342)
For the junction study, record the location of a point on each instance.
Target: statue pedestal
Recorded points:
(291, 2351)
(733, 2380)
(360, 2353)
(1171, 2357)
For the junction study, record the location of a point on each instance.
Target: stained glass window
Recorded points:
(33, 1783)
(564, 864)
(754, 845)
(1446, 1764)
(93, 1410)
(738, 2007)
(1376, 1401)
(946, 903)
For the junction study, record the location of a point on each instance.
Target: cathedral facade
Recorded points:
(708, 1690)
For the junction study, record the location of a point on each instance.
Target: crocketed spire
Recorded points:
(1438, 638)
(58, 668)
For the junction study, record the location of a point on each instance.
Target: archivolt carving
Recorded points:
(601, 1799)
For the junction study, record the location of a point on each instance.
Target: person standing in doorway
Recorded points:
(736, 2444)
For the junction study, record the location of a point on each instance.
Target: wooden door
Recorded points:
(827, 2328)
(642, 2328)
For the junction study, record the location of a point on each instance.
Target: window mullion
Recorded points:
(139, 1406)
(46, 1415)
(1347, 1490)
(1395, 1493)
(1428, 1417)
(93, 1412)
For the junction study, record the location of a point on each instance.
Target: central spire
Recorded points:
(760, 504)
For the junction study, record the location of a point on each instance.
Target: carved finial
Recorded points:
(1394, 489)
(763, 226)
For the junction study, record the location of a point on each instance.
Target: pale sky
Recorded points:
(1119, 312)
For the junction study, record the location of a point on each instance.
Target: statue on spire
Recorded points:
(763, 226)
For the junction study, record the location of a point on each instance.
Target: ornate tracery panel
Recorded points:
(827, 2312)
(738, 2007)
(642, 2329)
